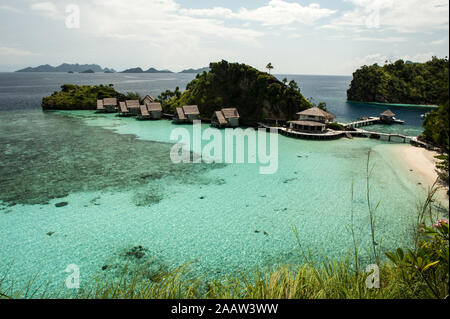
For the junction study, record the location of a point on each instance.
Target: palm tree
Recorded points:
(269, 67)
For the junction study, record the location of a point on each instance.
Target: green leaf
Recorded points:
(430, 265)
(400, 253)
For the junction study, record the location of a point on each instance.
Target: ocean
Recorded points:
(102, 193)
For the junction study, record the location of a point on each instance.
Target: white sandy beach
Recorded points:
(419, 161)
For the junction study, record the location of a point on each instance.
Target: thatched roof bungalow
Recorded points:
(100, 107)
(110, 104)
(316, 114)
(187, 113)
(226, 117)
(133, 106)
(308, 126)
(387, 116)
(155, 110)
(123, 110)
(144, 113)
(148, 99)
(312, 120)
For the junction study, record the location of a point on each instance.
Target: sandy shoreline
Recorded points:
(419, 161)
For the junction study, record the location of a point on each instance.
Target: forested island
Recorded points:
(402, 82)
(257, 95)
(78, 97)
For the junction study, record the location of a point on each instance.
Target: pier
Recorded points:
(360, 123)
(333, 135)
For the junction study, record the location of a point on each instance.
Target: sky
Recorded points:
(327, 37)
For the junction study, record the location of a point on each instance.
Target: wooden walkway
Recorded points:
(383, 136)
(368, 121)
(333, 135)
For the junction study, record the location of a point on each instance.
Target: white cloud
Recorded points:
(380, 39)
(279, 12)
(159, 22)
(47, 9)
(9, 8)
(13, 52)
(438, 42)
(217, 12)
(398, 15)
(276, 12)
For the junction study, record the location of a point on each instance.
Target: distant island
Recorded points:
(201, 70)
(67, 68)
(95, 68)
(402, 83)
(150, 70)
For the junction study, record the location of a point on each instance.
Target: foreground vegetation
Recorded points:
(257, 95)
(436, 132)
(402, 82)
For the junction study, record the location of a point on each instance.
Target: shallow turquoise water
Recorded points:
(122, 191)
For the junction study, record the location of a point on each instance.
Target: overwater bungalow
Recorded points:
(100, 107)
(148, 99)
(313, 120)
(155, 110)
(191, 112)
(144, 113)
(133, 106)
(187, 113)
(123, 110)
(227, 117)
(387, 117)
(179, 116)
(110, 104)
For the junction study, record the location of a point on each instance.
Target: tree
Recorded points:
(269, 67)
(322, 106)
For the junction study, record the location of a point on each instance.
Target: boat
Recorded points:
(398, 121)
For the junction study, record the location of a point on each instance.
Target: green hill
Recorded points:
(75, 97)
(400, 82)
(257, 95)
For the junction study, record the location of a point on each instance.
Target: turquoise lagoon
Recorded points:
(122, 191)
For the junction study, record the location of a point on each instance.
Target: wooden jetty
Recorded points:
(333, 135)
(365, 122)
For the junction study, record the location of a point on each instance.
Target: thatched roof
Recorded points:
(149, 97)
(111, 101)
(144, 110)
(308, 123)
(315, 111)
(154, 107)
(123, 107)
(100, 105)
(132, 103)
(191, 110)
(180, 114)
(230, 113)
(388, 113)
(220, 118)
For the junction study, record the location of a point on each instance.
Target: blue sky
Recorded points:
(296, 36)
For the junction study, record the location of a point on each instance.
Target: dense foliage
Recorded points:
(402, 82)
(75, 97)
(436, 127)
(257, 95)
(436, 131)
